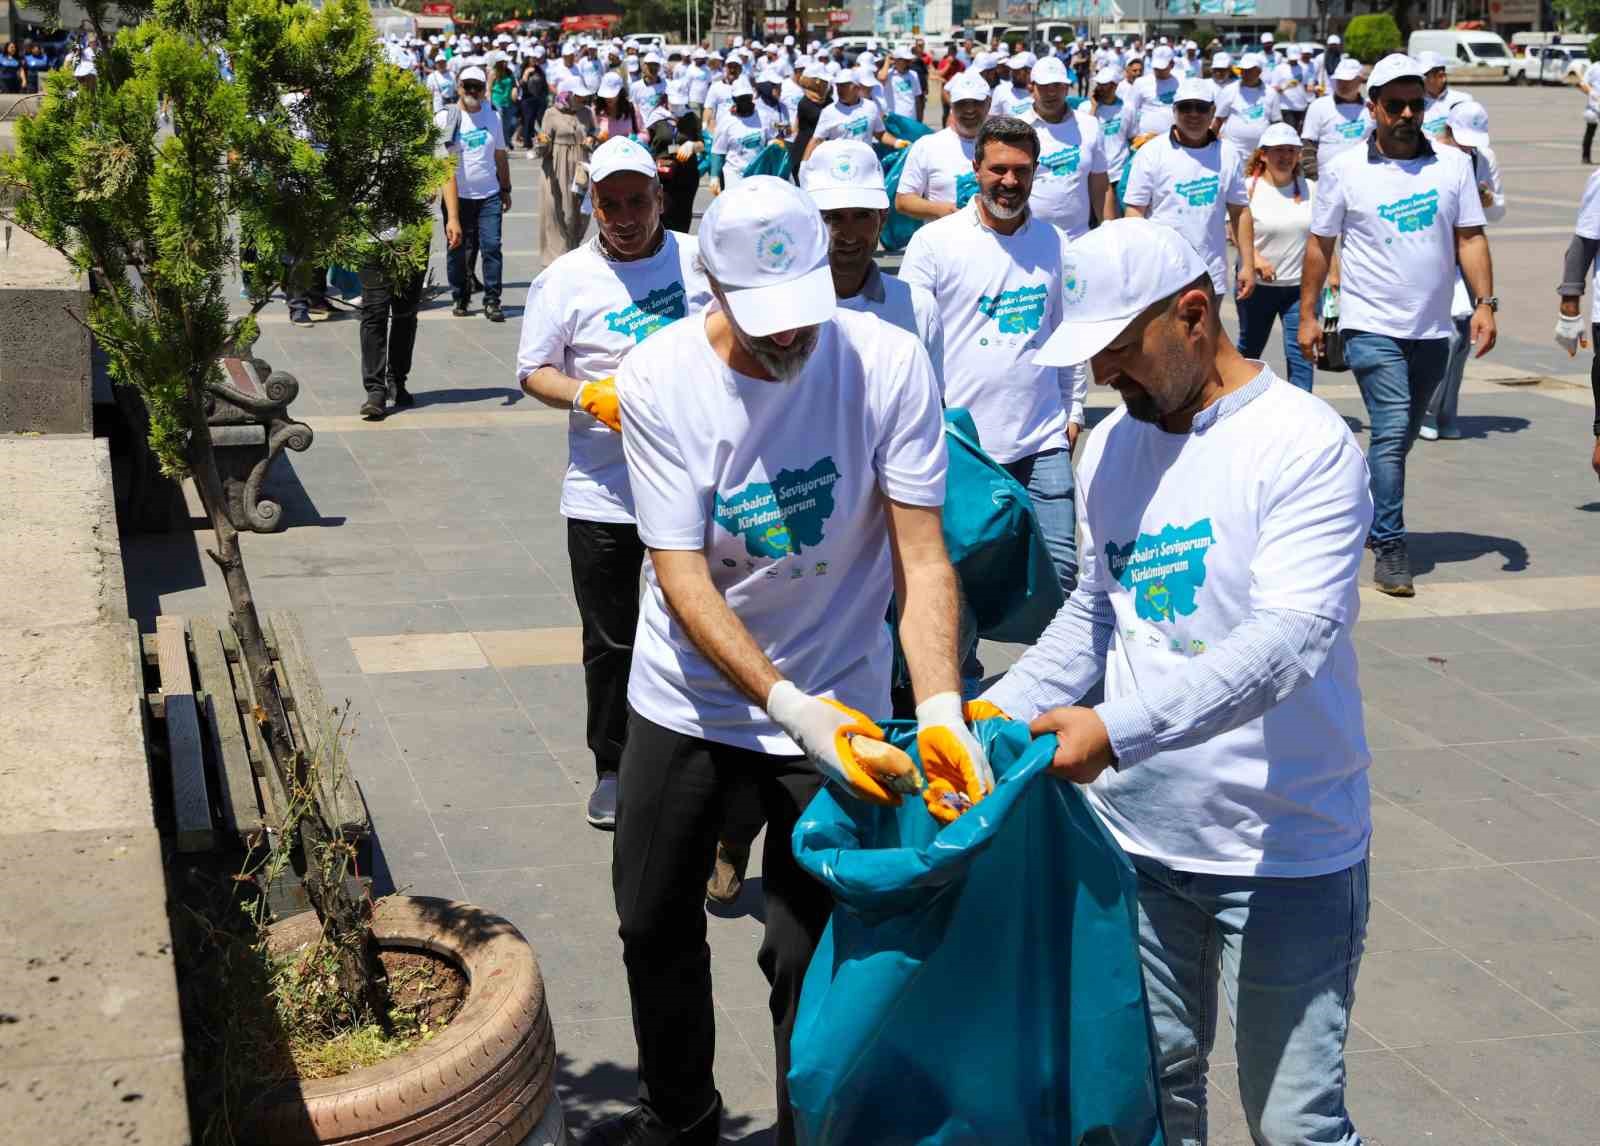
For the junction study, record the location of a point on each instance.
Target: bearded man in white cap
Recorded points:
(787, 466)
(1328, 63)
(472, 134)
(1069, 190)
(1335, 121)
(937, 178)
(742, 134)
(585, 314)
(1193, 182)
(1217, 599)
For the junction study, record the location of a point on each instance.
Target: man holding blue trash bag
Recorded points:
(1217, 592)
(787, 465)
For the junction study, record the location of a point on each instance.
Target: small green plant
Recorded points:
(1371, 37)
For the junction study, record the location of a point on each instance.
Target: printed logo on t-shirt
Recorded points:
(1060, 163)
(751, 141)
(1113, 124)
(1257, 110)
(1413, 213)
(1164, 572)
(966, 187)
(1200, 192)
(783, 516)
(1167, 97)
(1352, 129)
(644, 316)
(475, 138)
(857, 128)
(1017, 311)
(1436, 125)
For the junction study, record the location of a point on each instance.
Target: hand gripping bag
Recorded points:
(976, 984)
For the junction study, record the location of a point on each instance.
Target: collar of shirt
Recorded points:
(1424, 151)
(1230, 403)
(872, 286)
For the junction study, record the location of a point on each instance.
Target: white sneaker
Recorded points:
(1428, 434)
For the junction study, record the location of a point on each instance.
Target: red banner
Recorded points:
(838, 17)
(438, 8)
(591, 23)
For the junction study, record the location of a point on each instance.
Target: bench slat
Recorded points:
(191, 804)
(241, 809)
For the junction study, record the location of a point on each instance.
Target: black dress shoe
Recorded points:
(460, 308)
(492, 311)
(403, 398)
(372, 408)
(641, 1127)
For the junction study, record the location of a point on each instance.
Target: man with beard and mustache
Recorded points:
(474, 137)
(586, 312)
(1224, 514)
(787, 464)
(1409, 214)
(995, 272)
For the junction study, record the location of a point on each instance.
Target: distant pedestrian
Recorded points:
(1590, 86)
(1280, 217)
(535, 87)
(473, 134)
(563, 147)
(1335, 121)
(1582, 254)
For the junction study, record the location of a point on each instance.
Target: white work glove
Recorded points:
(1570, 333)
(952, 759)
(822, 728)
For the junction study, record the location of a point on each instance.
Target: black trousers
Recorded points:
(1294, 119)
(1588, 140)
(606, 558)
(388, 329)
(670, 804)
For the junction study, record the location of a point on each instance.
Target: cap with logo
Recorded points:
(764, 242)
(1430, 61)
(610, 85)
(844, 173)
(1348, 68)
(1195, 89)
(471, 75)
(1280, 135)
(1334, 41)
(1221, 60)
(1022, 61)
(1106, 76)
(1251, 60)
(617, 155)
(967, 85)
(1161, 57)
(1050, 70)
(904, 54)
(1469, 124)
(1395, 66)
(741, 87)
(1108, 278)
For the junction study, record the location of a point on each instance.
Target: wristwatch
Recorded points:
(1489, 301)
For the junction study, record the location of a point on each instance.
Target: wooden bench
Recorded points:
(213, 768)
(249, 429)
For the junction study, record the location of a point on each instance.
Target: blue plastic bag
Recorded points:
(773, 160)
(898, 228)
(979, 983)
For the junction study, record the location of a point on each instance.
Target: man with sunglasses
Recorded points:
(1193, 182)
(1409, 214)
(482, 178)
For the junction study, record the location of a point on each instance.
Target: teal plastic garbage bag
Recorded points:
(979, 983)
(773, 160)
(898, 228)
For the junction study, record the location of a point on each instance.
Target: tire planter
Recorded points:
(485, 1080)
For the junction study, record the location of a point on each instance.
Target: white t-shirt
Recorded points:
(591, 69)
(1116, 129)
(1334, 126)
(646, 96)
(1589, 228)
(584, 315)
(999, 299)
(719, 97)
(783, 486)
(861, 121)
(699, 81)
(1591, 77)
(443, 87)
(1190, 189)
(478, 136)
(910, 308)
(1398, 219)
(678, 93)
(1152, 103)
(1290, 81)
(904, 88)
(1188, 534)
(1069, 152)
(740, 139)
(1436, 115)
(1246, 112)
(790, 94)
(1009, 99)
(938, 167)
(1282, 225)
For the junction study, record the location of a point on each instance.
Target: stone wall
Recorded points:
(46, 373)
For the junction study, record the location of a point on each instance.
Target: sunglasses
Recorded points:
(1396, 106)
(472, 87)
(1192, 107)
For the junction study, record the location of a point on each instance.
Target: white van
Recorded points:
(1477, 54)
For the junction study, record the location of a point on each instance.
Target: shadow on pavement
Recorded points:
(1590, 507)
(751, 902)
(594, 1093)
(1482, 425)
(1428, 550)
(461, 394)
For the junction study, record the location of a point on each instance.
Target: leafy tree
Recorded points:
(1371, 37)
(325, 154)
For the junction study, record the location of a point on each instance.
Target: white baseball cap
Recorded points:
(742, 87)
(764, 242)
(1280, 135)
(904, 54)
(1106, 76)
(1221, 60)
(1266, 37)
(473, 73)
(968, 85)
(1251, 60)
(1161, 57)
(619, 154)
(1395, 66)
(1469, 124)
(821, 72)
(844, 173)
(864, 77)
(651, 58)
(1108, 278)
(1022, 60)
(1195, 88)
(1050, 70)
(1349, 68)
(1292, 51)
(1430, 61)
(1334, 40)
(788, 41)
(610, 85)
(576, 85)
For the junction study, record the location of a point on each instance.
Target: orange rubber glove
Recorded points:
(598, 399)
(822, 728)
(980, 709)
(952, 759)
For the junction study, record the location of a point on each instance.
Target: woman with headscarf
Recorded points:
(563, 149)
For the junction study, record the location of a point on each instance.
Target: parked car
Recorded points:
(646, 41)
(1549, 64)
(1482, 52)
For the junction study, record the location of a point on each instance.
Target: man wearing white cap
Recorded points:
(1571, 332)
(590, 67)
(585, 313)
(1246, 106)
(1229, 759)
(1069, 190)
(1153, 95)
(719, 94)
(649, 91)
(1328, 63)
(906, 96)
(1016, 97)
(441, 84)
(1441, 97)
(1336, 121)
(845, 181)
(699, 77)
(787, 465)
(1292, 80)
(1116, 130)
(850, 116)
(938, 177)
(996, 272)
(1409, 214)
(1194, 182)
(472, 133)
(742, 134)
(1222, 70)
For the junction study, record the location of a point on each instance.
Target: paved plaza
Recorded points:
(427, 560)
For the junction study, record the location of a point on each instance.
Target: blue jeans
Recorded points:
(1446, 398)
(1287, 952)
(480, 235)
(1397, 376)
(1256, 313)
